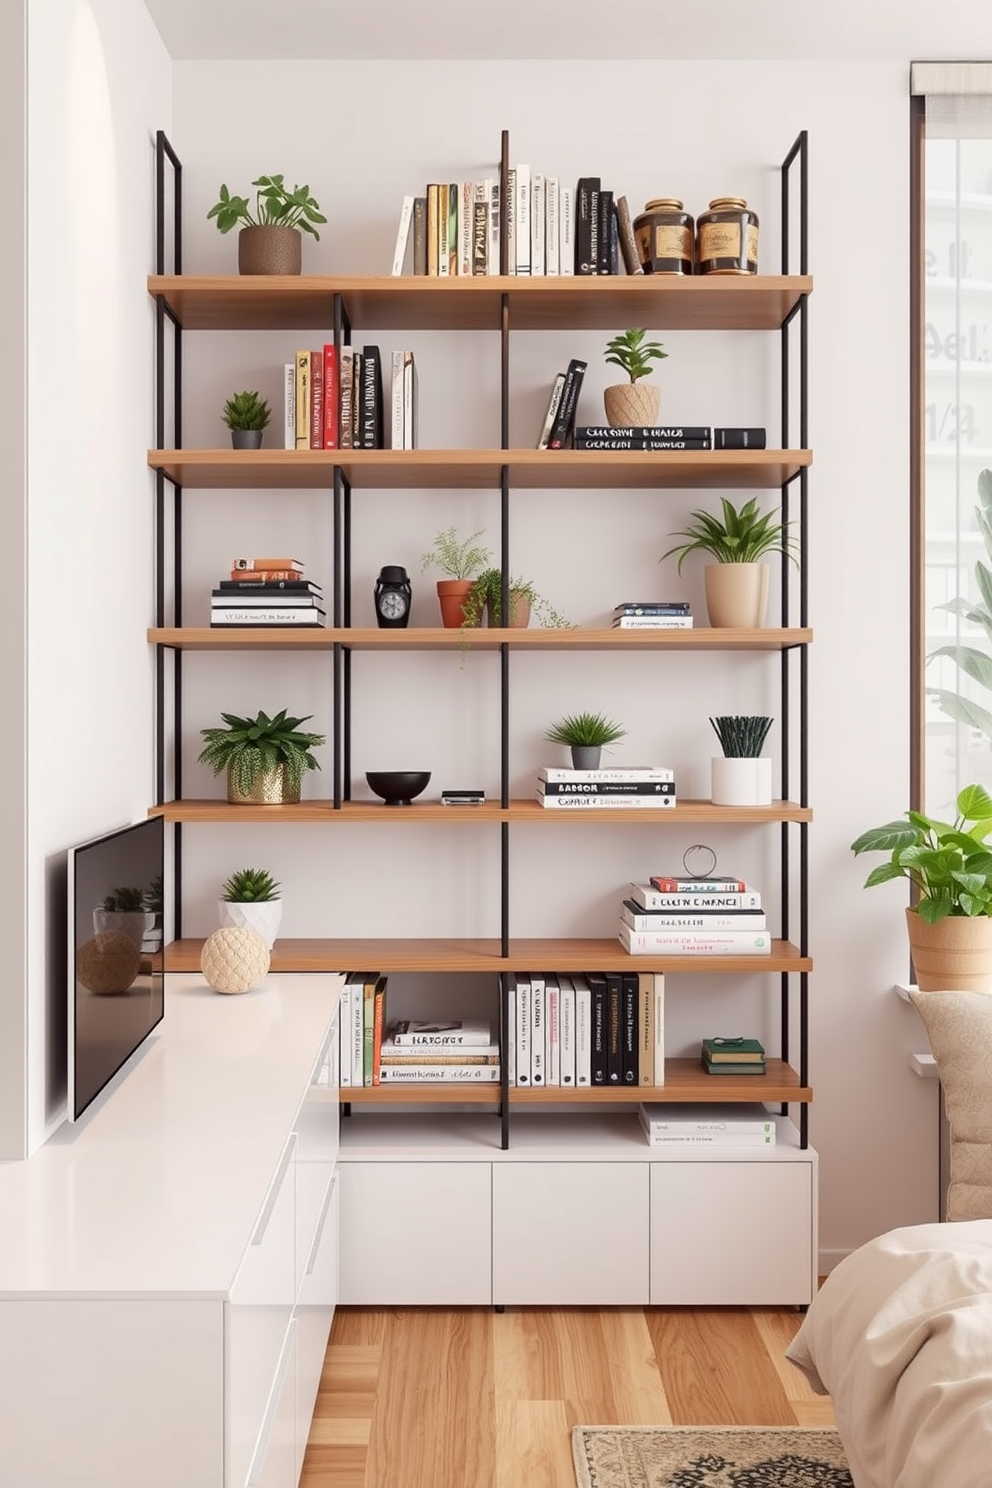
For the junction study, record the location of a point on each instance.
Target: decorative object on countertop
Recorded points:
(398, 787)
(246, 414)
(250, 897)
(269, 241)
(586, 735)
(265, 758)
(635, 402)
(740, 776)
(737, 583)
(461, 561)
(665, 235)
(392, 597)
(727, 238)
(234, 959)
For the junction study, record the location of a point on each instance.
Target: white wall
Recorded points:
(98, 87)
(363, 134)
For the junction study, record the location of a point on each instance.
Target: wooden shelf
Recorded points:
(426, 638)
(416, 954)
(478, 469)
(686, 813)
(306, 302)
(685, 1080)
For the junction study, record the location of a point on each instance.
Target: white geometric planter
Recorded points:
(740, 782)
(264, 916)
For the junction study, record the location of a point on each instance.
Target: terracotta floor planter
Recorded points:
(954, 955)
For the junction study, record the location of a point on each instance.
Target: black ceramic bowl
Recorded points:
(397, 787)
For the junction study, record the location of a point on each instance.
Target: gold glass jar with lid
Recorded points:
(727, 238)
(664, 236)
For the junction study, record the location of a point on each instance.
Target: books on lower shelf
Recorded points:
(730, 1125)
(255, 596)
(673, 914)
(572, 1031)
(675, 942)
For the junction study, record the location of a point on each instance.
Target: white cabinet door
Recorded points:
(732, 1234)
(570, 1233)
(315, 1313)
(416, 1233)
(273, 1463)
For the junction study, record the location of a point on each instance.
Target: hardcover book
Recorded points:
(440, 1031)
(317, 399)
(646, 431)
(604, 255)
(332, 396)
(733, 1050)
(695, 943)
(628, 243)
(727, 919)
(628, 772)
(647, 897)
(606, 787)
(402, 235)
(599, 1020)
(629, 1028)
(347, 399)
(586, 207)
(554, 403)
(737, 1116)
(420, 235)
(565, 418)
(678, 884)
(639, 442)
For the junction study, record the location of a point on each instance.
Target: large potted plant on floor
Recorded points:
(269, 241)
(950, 927)
(265, 758)
(461, 561)
(736, 582)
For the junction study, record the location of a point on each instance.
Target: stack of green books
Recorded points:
(733, 1056)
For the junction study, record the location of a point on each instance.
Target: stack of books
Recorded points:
(638, 788)
(683, 916)
(731, 1125)
(334, 399)
(667, 437)
(733, 1056)
(266, 592)
(437, 1051)
(594, 1029)
(652, 614)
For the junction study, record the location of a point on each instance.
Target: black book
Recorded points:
(653, 607)
(645, 431)
(585, 221)
(356, 398)
(606, 788)
(614, 1025)
(420, 235)
(621, 441)
(261, 586)
(371, 399)
(598, 1028)
(604, 235)
(565, 417)
(739, 438)
(628, 1027)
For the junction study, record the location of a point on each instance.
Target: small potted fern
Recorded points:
(741, 776)
(246, 415)
(586, 735)
(633, 403)
(250, 899)
(461, 560)
(265, 758)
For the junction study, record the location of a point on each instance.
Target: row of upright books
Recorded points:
(335, 399)
(266, 592)
(681, 916)
(635, 788)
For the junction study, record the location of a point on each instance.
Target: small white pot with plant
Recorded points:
(635, 402)
(246, 414)
(250, 900)
(269, 241)
(741, 776)
(461, 561)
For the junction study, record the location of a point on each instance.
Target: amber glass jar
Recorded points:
(664, 236)
(727, 238)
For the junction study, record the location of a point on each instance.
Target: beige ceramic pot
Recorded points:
(736, 594)
(270, 250)
(519, 611)
(271, 789)
(954, 955)
(629, 404)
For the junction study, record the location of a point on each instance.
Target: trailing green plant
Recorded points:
(633, 354)
(741, 735)
(973, 663)
(275, 206)
(592, 730)
(945, 860)
(459, 560)
(249, 747)
(250, 886)
(125, 901)
(246, 410)
(487, 592)
(740, 536)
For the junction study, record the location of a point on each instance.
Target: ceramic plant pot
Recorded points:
(740, 782)
(263, 916)
(631, 403)
(451, 596)
(270, 250)
(736, 594)
(246, 438)
(586, 756)
(954, 955)
(271, 789)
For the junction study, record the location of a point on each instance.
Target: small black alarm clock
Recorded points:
(392, 597)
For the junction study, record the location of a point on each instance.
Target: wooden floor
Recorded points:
(470, 1398)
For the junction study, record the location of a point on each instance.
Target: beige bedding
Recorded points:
(900, 1336)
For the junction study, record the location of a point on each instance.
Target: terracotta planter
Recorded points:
(955, 955)
(736, 594)
(631, 403)
(271, 789)
(451, 596)
(270, 250)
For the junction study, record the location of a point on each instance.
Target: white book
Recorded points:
(566, 230)
(645, 1028)
(537, 221)
(409, 401)
(521, 991)
(443, 254)
(647, 919)
(358, 1028)
(492, 247)
(712, 1118)
(653, 622)
(554, 403)
(566, 1041)
(712, 1139)
(344, 1034)
(402, 235)
(289, 405)
(551, 229)
(396, 403)
(648, 897)
(235, 615)
(659, 1028)
(466, 212)
(605, 803)
(538, 1060)
(439, 1074)
(552, 1037)
(440, 1034)
(695, 943)
(429, 1053)
(583, 1031)
(522, 190)
(632, 773)
(510, 1034)
(511, 220)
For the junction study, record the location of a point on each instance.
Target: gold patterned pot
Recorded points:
(629, 404)
(270, 789)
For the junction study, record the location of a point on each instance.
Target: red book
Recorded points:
(316, 400)
(331, 397)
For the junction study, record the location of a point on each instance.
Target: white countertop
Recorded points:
(157, 1189)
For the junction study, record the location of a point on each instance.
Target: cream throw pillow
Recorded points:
(959, 1026)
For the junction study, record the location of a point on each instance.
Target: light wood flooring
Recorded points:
(471, 1398)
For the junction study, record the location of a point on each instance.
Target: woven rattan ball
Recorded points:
(107, 963)
(234, 959)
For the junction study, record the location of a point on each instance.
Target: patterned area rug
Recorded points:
(709, 1457)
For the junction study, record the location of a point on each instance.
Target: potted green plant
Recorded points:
(127, 911)
(250, 899)
(269, 241)
(246, 415)
(737, 583)
(461, 561)
(633, 402)
(949, 866)
(265, 758)
(740, 776)
(486, 598)
(586, 735)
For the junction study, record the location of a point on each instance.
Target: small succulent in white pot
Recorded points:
(250, 899)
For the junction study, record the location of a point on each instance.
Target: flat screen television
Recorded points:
(116, 972)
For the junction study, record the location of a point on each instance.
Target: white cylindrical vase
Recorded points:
(740, 782)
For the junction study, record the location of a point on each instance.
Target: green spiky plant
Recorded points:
(275, 206)
(124, 901)
(741, 736)
(246, 410)
(249, 747)
(973, 663)
(946, 861)
(585, 730)
(459, 560)
(250, 886)
(633, 354)
(741, 535)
